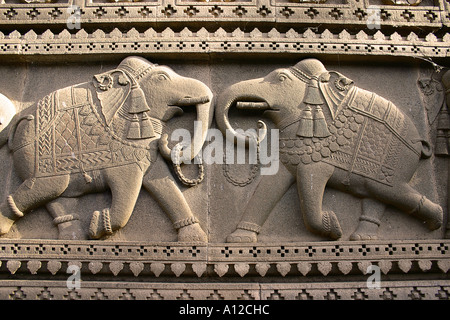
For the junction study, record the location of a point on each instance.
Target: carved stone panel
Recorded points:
(258, 150)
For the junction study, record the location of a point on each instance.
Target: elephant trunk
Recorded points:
(204, 107)
(239, 97)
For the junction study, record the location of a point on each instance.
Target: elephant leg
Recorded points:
(161, 186)
(404, 197)
(31, 194)
(311, 182)
(370, 220)
(268, 192)
(69, 225)
(125, 183)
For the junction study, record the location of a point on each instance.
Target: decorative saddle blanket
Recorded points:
(71, 136)
(366, 134)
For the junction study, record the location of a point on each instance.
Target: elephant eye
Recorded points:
(282, 77)
(162, 77)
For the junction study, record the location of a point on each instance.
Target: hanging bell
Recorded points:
(147, 130)
(134, 132)
(306, 123)
(313, 95)
(320, 124)
(138, 102)
(441, 146)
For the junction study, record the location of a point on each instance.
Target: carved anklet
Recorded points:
(185, 222)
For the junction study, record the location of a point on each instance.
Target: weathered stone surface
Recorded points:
(361, 109)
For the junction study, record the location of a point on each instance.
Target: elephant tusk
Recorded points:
(163, 147)
(252, 105)
(188, 101)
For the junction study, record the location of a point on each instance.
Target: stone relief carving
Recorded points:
(99, 135)
(403, 2)
(335, 134)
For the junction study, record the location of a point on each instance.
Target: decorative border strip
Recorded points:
(220, 41)
(352, 12)
(57, 290)
(218, 260)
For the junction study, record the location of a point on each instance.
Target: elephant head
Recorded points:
(145, 90)
(282, 93)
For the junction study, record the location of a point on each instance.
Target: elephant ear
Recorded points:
(112, 89)
(334, 87)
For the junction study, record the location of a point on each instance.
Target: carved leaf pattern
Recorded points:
(221, 269)
(363, 266)
(345, 266)
(157, 268)
(178, 268)
(95, 266)
(262, 268)
(304, 267)
(283, 268)
(53, 266)
(136, 267)
(405, 265)
(116, 267)
(444, 265)
(385, 266)
(13, 265)
(425, 265)
(324, 267)
(33, 266)
(199, 268)
(242, 268)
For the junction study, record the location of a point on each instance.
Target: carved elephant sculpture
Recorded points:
(105, 135)
(331, 133)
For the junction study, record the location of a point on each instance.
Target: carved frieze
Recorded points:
(275, 11)
(351, 130)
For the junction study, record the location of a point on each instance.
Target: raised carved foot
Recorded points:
(360, 234)
(331, 225)
(192, 233)
(367, 229)
(71, 230)
(242, 236)
(433, 214)
(100, 224)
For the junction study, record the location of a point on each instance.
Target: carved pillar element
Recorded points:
(443, 128)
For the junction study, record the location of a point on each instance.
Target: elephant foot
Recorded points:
(192, 233)
(242, 236)
(367, 229)
(9, 213)
(436, 216)
(331, 225)
(100, 224)
(430, 212)
(69, 227)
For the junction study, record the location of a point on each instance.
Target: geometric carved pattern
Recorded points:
(57, 290)
(217, 260)
(266, 11)
(294, 262)
(202, 41)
